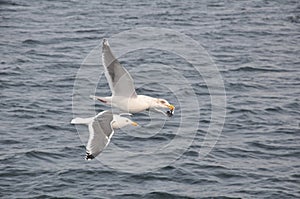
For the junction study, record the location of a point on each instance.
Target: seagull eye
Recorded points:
(163, 102)
(127, 121)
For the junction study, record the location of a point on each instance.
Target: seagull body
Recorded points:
(121, 85)
(132, 104)
(101, 129)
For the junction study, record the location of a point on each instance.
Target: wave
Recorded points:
(44, 127)
(272, 147)
(154, 194)
(245, 86)
(31, 41)
(294, 19)
(43, 155)
(9, 142)
(88, 31)
(274, 109)
(11, 3)
(253, 69)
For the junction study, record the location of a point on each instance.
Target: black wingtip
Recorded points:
(105, 42)
(89, 156)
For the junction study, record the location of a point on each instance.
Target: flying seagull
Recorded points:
(101, 129)
(122, 87)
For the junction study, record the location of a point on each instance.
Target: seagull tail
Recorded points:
(79, 120)
(93, 97)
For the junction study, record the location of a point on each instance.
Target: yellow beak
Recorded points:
(171, 107)
(134, 124)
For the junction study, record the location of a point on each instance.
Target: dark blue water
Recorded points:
(255, 46)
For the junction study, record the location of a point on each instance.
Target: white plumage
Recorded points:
(122, 88)
(101, 129)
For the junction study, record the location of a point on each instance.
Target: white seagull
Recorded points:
(101, 128)
(121, 85)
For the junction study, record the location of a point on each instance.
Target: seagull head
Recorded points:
(162, 103)
(119, 122)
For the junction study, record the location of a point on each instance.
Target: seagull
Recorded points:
(101, 128)
(122, 88)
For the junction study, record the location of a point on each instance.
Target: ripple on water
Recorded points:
(254, 44)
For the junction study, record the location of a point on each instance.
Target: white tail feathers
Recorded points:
(79, 120)
(93, 97)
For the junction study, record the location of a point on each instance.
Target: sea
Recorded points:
(231, 68)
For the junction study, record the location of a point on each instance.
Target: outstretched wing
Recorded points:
(100, 133)
(119, 80)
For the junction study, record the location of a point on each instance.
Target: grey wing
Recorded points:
(100, 133)
(119, 80)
